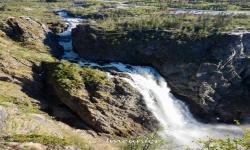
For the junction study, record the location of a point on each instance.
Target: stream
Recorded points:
(178, 125)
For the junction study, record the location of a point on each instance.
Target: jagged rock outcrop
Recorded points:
(57, 26)
(23, 29)
(33, 34)
(210, 74)
(108, 105)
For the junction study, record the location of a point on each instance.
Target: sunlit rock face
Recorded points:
(23, 29)
(107, 104)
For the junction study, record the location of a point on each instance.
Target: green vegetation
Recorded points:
(16, 50)
(152, 15)
(94, 76)
(68, 75)
(34, 8)
(155, 16)
(71, 76)
(198, 4)
(148, 142)
(25, 105)
(43, 139)
(228, 143)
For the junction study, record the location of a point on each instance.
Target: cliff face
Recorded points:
(211, 74)
(108, 105)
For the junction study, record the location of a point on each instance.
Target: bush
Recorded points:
(71, 76)
(3, 7)
(228, 143)
(68, 75)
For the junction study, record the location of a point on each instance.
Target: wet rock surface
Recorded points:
(210, 74)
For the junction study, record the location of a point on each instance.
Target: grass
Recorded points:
(36, 138)
(67, 75)
(72, 77)
(152, 17)
(33, 8)
(157, 17)
(183, 23)
(38, 11)
(228, 143)
(200, 4)
(149, 142)
(10, 95)
(16, 50)
(25, 121)
(24, 105)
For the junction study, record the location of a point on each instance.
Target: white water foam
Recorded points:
(178, 124)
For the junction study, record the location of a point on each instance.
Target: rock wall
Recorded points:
(210, 74)
(114, 108)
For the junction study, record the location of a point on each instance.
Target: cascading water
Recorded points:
(65, 37)
(174, 116)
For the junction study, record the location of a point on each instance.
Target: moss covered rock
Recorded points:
(109, 105)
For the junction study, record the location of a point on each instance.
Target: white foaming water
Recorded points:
(178, 124)
(65, 37)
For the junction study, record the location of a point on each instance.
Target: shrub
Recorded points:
(71, 76)
(68, 75)
(228, 143)
(3, 7)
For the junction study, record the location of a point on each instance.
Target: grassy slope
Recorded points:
(36, 9)
(25, 121)
(24, 115)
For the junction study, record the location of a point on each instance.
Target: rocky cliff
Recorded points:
(108, 105)
(29, 117)
(210, 74)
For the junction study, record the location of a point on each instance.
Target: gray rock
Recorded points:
(115, 108)
(19, 29)
(4, 77)
(3, 117)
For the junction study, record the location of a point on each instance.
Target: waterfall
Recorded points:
(179, 126)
